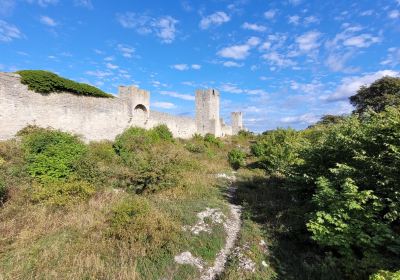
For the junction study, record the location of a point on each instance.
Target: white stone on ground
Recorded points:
(188, 258)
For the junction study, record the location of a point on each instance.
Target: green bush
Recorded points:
(3, 192)
(123, 214)
(278, 150)
(46, 82)
(237, 158)
(385, 275)
(51, 154)
(162, 132)
(61, 193)
(351, 177)
(195, 147)
(211, 139)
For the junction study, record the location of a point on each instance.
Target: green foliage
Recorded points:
(385, 275)
(46, 82)
(51, 154)
(245, 133)
(350, 174)
(278, 150)
(162, 132)
(155, 162)
(211, 139)
(329, 119)
(196, 147)
(237, 158)
(123, 214)
(381, 93)
(61, 193)
(3, 192)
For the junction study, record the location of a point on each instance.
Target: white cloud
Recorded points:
(214, 19)
(393, 58)
(232, 64)
(84, 3)
(165, 29)
(239, 52)
(294, 19)
(8, 32)
(109, 58)
(307, 119)
(196, 66)
(367, 13)
(99, 74)
(232, 88)
(44, 3)
(310, 19)
(394, 14)
(162, 27)
(48, 21)
(254, 27)
(308, 41)
(178, 95)
(180, 67)
(235, 52)
(112, 66)
(270, 14)
(350, 85)
(126, 51)
(164, 105)
(337, 61)
(277, 59)
(361, 41)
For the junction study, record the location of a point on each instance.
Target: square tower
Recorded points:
(207, 112)
(237, 122)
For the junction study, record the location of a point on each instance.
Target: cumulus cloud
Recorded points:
(175, 94)
(270, 14)
(125, 50)
(254, 27)
(214, 19)
(232, 88)
(308, 41)
(394, 14)
(184, 67)
(98, 74)
(295, 20)
(232, 64)
(274, 58)
(43, 3)
(393, 58)
(307, 119)
(163, 27)
(196, 66)
(48, 21)
(112, 66)
(361, 41)
(84, 3)
(8, 32)
(350, 85)
(164, 105)
(239, 52)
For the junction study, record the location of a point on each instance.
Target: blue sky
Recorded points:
(282, 63)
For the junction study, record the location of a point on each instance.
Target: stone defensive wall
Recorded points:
(90, 117)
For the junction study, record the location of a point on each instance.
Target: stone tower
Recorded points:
(207, 112)
(139, 102)
(237, 122)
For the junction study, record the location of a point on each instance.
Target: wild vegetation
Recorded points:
(46, 82)
(320, 203)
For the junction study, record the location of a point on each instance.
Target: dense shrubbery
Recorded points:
(347, 178)
(211, 139)
(51, 154)
(237, 158)
(278, 150)
(47, 82)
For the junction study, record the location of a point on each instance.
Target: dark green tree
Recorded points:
(381, 93)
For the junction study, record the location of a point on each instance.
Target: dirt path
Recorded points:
(232, 227)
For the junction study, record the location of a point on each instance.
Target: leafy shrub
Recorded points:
(61, 193)
(245, 133)
(162, 132)
(123, 214)
(46, 82)
(278, 150)
(195, 147)
(3, 192)
(236, 158)
(51, 154)
(351, 177)
(211, 139)
(154, 164)
(385, 275)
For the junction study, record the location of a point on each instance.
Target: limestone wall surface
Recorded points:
(92, 118)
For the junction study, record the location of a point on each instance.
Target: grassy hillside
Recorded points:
(321, 203)
(47, 82)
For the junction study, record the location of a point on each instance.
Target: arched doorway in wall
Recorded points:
(140, 114)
